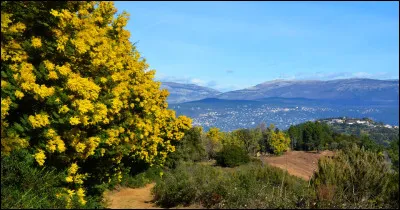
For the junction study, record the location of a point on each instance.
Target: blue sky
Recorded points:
(234, 45)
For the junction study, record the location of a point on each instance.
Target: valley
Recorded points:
(286, 102)
(233, 114)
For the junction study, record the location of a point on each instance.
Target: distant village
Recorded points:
(354, 121)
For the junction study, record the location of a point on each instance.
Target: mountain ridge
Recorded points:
(356, 88)
(346, 89)
(180, 93)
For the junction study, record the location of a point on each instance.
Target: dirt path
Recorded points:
(131, 198)
(135, 198)
(297, 163)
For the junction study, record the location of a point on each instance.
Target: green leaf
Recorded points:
(3, 74)
(18, 127)
(42, 68)
(56, 115)
(23, 121)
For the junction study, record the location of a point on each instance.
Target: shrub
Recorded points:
(189, 148)
(77, 92)
(231, 156)
(355, 178)
(24, 186)
(247, 186)
(141, 179)
(274, 141)
(185, 184)
(213, 142)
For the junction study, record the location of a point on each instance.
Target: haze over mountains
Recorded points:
(345, 89)
(179, 93)
(286, 102)
(350, 89)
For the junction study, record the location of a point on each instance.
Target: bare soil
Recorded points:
(131, 198)
(135, 198)
(297, 163)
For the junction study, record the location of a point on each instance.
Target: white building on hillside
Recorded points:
(388, 126)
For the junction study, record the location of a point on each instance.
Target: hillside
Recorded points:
(283, 112)
(179, 93)
(346, 89)
(380, 133)
(298, 163)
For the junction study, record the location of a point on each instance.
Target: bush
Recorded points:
(231, 156)
(355, 178)
(77, 92)
(247, 186)
(189, 148)
(24, 186)
(141, 179)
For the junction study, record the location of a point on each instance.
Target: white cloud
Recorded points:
(197, 82)
(362, 74)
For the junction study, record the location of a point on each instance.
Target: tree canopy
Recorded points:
(75, 92)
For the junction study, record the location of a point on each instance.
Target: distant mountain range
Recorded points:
(348, 89)
(179, 93)
(285, 103)
(344, 89)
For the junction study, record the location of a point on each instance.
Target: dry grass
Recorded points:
(297, 163)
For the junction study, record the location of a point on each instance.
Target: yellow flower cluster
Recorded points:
(73, 169)
(4, 84)
(100, 114)
(51, 68)
(84, 87)
(56, 144)
(68, 195)
(40, 157)
(74, 120)
(50, 133)
(92, 144)
(64, 70)
(80, 147)
(113, 135)
(84, 105)
(36, 42)
(95, 94)
(5, 25)
(26, 77)
(81, 196)
(42, 91)
(73, 176)
(63, 109)
(19, 94)
(39, 120)
(11, 142)
(5, 106)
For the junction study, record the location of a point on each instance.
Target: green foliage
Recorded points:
(140, 180)
(189, 148)
(25, 186)
(310, 136)
(393, 152)
(231, 156)
(248, 139)
(319, 136)
(379, 134)
(78, 96)
(213, 141)
(274, 141)
(248, 186)
(355, 178)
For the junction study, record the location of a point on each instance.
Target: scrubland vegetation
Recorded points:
(81, 113)
(356, 177)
